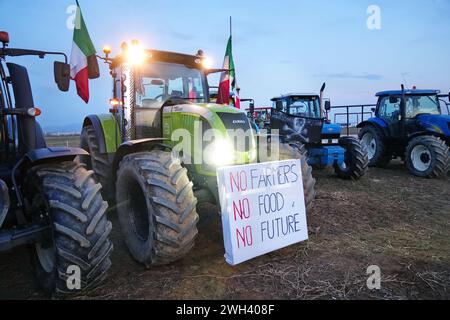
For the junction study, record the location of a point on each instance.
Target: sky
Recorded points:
(279, 46)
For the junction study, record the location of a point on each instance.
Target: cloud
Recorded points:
(348, 75)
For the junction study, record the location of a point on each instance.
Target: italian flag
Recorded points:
(228, 79)
(83, 60)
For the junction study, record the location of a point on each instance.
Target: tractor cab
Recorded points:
(297, 117)
(407, 113)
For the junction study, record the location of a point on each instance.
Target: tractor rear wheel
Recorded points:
(156, 207)
(66, 197)
(356, 159)
(97, 161)
(428, 157)
(292, 151)
(372, 140)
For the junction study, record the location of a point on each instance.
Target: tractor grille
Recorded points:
(242, 135)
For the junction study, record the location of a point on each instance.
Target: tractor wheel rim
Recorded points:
(46, 257)
(421, 158)
(370, 143)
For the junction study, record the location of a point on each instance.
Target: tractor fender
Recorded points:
(377, 123)
(41, 156)
(135, 146)
(107, 137)
(426, 133)
(44, 155)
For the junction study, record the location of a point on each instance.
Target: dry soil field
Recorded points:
(389, 218)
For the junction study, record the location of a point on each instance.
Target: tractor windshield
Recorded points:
(416, 105)
(305, 107)
(160, 81)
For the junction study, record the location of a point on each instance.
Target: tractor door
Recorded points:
(389, 111)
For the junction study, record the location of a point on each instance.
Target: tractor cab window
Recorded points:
(305, 107)
(161, 81)
(280, 105)
(389, 109)
(416, 105)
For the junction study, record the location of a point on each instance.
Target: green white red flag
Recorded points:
(83, 60)
(228, 82)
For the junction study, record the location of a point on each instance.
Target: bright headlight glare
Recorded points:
(207, 63)
(136, 54)
(219, 153)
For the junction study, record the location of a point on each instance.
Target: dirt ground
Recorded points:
(390, 219)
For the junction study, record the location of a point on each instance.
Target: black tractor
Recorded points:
(48, 202)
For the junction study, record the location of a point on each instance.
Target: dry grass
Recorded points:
(389, 218)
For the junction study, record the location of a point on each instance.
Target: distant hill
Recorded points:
(63, 129)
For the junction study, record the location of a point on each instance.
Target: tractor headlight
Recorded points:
(219, 153)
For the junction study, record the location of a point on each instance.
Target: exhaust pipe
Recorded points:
(322, 90)
(4, 201)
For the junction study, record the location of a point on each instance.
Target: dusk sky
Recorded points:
(279, 46)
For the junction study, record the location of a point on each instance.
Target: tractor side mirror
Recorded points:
(279, 105)
(252, 108)
(393, 100)
(62, 75)
(373, 110)
(328, 105)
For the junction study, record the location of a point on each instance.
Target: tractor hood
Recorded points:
(233, 138)
(435, 123)
(205, 110)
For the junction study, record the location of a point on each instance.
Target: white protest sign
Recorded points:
(263, 208)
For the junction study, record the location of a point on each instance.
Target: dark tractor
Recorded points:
(409, 124)
(300, 120)
(47, 201)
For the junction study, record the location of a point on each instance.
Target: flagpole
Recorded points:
(231, 26)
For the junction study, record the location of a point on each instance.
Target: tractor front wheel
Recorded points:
(156, 207)
(428, 157)
(372, 140)
(356, 159)
(66, 197)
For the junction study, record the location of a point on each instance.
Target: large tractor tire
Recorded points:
(356, 159)
(372, 139)
(65, 196)
(97, 161)
(428, 157)
(289, 152)
(156, 207)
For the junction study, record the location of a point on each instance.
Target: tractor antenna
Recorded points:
(404, 74)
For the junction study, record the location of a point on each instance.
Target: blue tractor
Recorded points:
(409, 124)
(300, 120)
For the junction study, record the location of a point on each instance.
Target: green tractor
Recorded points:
(160, 102)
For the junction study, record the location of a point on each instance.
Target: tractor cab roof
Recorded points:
(407, 92)
(288, 95)
(193, 61)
